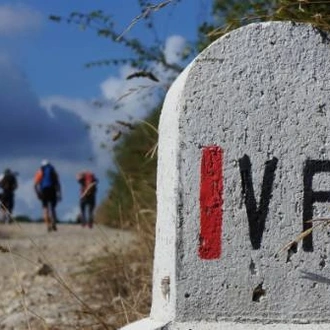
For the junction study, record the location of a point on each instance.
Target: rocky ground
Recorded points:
(40, 282)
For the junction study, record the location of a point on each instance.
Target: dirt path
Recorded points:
(31, 293)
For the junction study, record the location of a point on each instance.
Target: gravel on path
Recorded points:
(33, 263)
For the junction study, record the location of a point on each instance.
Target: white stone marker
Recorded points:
(244, 163)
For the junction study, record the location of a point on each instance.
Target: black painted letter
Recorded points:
(257, 216)
(310, 197)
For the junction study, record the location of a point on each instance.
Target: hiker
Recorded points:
(88, 183)
(8, 183)
(48, 189)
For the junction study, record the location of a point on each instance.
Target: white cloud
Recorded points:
(72, 214)
(30, 134)
(130, 94)
(132, 97)
(18, 19)
(30, 128)
(174, 47)
(135, 98)
(26, 195)
(91, 117)
(67, 144)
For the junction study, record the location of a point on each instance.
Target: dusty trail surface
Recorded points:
(32, 265)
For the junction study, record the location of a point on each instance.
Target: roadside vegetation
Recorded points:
(125, 279)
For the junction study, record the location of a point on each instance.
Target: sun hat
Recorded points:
(44, 162)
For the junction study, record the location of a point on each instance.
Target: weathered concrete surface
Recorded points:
(148, 324)
(249, 120)
(243, 326)
(145, 324)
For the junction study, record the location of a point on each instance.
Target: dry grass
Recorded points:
(109, 293)
(318, 222)
(116, 290)
(120, 283)
(115, 286)
(124, 281)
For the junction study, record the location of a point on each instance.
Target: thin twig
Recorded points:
(144, 14)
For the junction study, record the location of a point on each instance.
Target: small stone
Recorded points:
(45, 270)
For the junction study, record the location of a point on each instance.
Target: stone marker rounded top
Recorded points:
(244, 163)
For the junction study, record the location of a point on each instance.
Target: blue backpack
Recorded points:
(49, 177)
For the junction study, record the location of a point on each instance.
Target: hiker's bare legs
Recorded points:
(50, 218)
(54, 218)
(46, 216)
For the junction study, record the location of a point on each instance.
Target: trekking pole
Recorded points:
(89, 187)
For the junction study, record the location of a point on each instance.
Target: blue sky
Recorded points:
(46, 92)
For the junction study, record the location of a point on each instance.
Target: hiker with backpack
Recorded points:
(88, 187)
(48, 189)
(8, 183)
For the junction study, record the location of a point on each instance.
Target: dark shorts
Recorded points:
(48, 197)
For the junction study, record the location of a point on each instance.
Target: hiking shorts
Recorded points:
(48, 197)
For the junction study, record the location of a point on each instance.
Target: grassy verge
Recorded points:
(125, 279)
(124, 282)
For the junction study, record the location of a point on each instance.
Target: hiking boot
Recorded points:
(54, 227)
(49, 229)
(90, 225)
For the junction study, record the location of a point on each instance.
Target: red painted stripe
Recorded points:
(211, 201)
